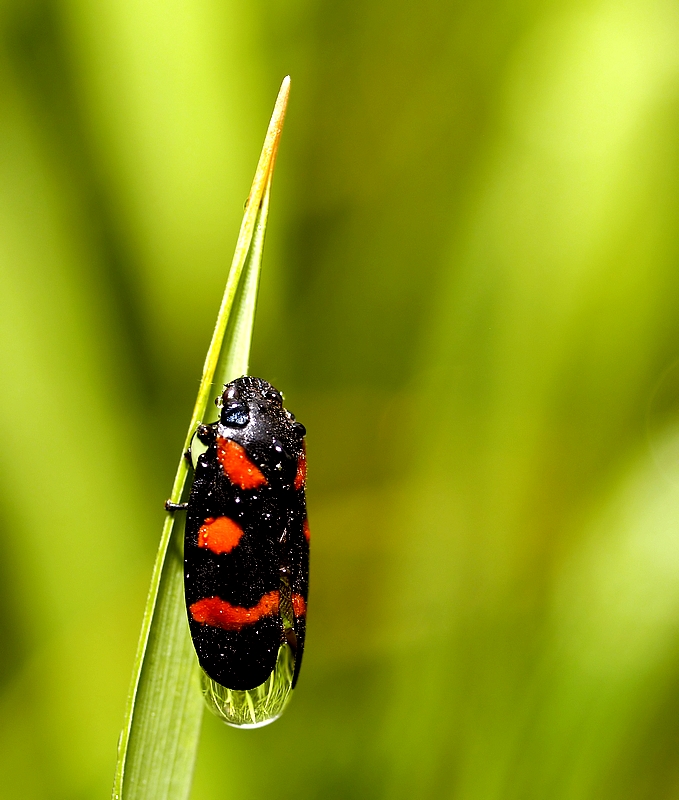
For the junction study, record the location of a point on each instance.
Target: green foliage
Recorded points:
(470, 301)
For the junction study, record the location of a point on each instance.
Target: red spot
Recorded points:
(300, 478)
(298, 605)
(218, 613)
(237, 466)
(220, 535)
(305, 528)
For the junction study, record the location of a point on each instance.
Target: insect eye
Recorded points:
(230, 393)
(235, 414)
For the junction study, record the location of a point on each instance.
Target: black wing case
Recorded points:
(235, 589)
(297, 559)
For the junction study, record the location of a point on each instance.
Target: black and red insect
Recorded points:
(246, 549)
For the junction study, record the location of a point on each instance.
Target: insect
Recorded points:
(246, 547)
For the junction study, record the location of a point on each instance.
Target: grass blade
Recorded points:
(236, 351)
(157, 746)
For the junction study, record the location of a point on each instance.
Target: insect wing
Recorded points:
(231, 578)
(299, 579)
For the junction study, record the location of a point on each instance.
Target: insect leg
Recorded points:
(206, 433)
(172, 507)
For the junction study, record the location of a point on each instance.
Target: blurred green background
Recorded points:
(470, 297)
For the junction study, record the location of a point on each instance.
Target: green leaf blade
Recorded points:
(168, 689)
(235, 358)
(157, 747)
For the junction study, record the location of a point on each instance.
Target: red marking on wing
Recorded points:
(298, 605)
(220, 535)
(300, 477)
(237, 466)
(218, 613)
(305, 528)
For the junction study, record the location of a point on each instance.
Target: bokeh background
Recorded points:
(470, 297)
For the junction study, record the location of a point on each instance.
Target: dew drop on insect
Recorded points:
(256, 707)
